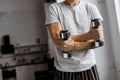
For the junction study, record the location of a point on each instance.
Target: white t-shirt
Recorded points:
(77, 20)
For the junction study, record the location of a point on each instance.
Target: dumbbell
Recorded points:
(64, 34)
(95, 24)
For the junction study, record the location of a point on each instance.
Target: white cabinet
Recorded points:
(1, 74)
(25, 73)
(28, 72)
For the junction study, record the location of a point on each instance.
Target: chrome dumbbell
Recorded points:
(95, 24)
(64, 34)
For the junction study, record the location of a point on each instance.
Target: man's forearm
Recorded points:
(58, 41)
(83, 45)
(81, 37)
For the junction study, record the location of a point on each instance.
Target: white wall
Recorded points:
(114, 25)
(23, 20)
(105, 55)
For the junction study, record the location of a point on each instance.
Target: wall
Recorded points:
(23, 20)
(113, 18)
(105, 55)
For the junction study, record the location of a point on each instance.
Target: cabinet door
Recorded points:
(1, 78)
(25, 73)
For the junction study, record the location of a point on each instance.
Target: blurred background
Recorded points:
(24, 49)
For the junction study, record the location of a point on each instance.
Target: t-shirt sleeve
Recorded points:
(51, 15)
(94, 12)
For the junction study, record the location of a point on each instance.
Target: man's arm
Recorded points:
(83, 45)
(81, 37)
(54, 30)
(93, 34)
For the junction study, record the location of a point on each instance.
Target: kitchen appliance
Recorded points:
(7, 48)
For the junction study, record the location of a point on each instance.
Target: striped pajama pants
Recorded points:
(90, 74)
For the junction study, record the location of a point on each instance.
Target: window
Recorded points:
(117, 7)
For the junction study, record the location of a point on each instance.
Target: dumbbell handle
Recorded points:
(64, 34)
(96, 23)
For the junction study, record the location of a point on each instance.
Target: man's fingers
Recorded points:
(65, 46)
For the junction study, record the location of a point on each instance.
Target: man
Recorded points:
(75, 16)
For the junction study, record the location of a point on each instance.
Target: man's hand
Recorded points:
(68, 45)
(96, 33)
